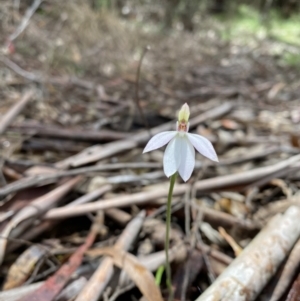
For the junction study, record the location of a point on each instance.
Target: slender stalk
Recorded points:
(167, 241)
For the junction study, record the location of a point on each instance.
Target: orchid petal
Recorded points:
(187, 164)
(159, 140)
(203, 146)
(172, 156)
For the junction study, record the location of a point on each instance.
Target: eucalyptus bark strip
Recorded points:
(247, 275)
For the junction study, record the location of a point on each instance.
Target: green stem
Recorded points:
(167, 241)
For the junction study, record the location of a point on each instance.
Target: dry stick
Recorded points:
(38, 206)
(275, 175)
(219, 218)
(230, 240)
(14, 111)
(118, 202)
(97, 152)
(198, 237)
(120, 216)
(266, 212)
(91, 196)
(247, 275)
(53, 285)
(54, 176)
(140, 178)
(45, 225)
(261, 154)
(219, 256)
(253, 188)
(293, 294)
(64, 133)
(72, 290)
(2, 178)
(20, 71)
(204, 185)
(288, 273)
(245, 177)
(151, 262)
(65, 81)
(140, 275)
(98, 282)
(29, 13)
(11, 173)
(16, 293)
(137, 86)
(40, 78)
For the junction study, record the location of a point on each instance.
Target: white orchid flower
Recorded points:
(180, 153)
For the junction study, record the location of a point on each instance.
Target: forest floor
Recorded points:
(75, 185)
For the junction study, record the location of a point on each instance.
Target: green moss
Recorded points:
(247, 25)
(250, 22)
(291, 59)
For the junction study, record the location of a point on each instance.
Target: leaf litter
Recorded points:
(71, 142)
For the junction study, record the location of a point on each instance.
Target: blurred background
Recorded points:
(199, 50)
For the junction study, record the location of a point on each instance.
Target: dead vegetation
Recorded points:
(78, 198)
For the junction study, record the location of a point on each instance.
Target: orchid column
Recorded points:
(179, 157)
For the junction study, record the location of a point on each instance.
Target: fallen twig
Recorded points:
(219, 218)
(40, 78)
(214, 253)
(65, 133)
(293, 294)
(288, 273)
(141, 276)
(54, 176)
(37, 207)
(53, 285)
(16, 293)
(29, 13)
(97, 152)
(244, 177)
(72, 290)
(120, 201)
(204, 185)
(14, 111)
(97, 283)
(246, 276)
(45, 225)
(137, 86)
(151, 262)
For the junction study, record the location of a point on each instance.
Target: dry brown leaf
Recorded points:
(230, 124)
(23, 266)
(230, 240)
(142, 277)
(235, 208)
(284, 187)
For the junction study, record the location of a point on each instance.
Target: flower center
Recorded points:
(182, 126)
